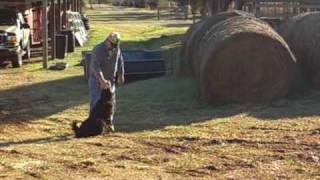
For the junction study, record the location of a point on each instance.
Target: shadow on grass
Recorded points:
(45, 140)
(171, 101)
(35, 101)
(144, 105)
(40, 100)
(167, 101)
(306, 105)
(4, 65)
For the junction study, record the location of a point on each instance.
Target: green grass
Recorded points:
(163, 132)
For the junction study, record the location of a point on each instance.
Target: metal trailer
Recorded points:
(32, 12)
(139, 64)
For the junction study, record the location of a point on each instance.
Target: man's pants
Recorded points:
(95, 93)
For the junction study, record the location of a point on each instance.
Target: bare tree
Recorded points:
(90, 2)
(212, 7)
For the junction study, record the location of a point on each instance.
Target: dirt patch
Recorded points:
(188, 138)
(125, 157)
(315, 132)
(95, 144)
(220, 165)
(240, 141)
(273, 129)
(19, 105)
(167, 148)
(33, 174)
(206, 170)
(2, 169)
(12, 151)
(310, 156)
(85, 165)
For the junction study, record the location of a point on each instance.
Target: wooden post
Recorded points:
(64, 16)
(68, 5)
(76, 5)
(158, 12)
(53, 30)
(79, 6)
(59, 16)
(45, 33)
(186, 12)
(73, 5)
(193, 18)
(90, 2)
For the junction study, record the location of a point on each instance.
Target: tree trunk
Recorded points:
(90, 2)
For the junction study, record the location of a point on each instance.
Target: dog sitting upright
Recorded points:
(99, 116)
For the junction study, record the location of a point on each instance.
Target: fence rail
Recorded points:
(281, 9)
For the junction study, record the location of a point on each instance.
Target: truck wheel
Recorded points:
(27, 50)
(17, 60)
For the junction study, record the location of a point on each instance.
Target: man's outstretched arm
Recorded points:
(97, 72)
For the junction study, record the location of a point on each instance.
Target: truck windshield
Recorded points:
(7, 18)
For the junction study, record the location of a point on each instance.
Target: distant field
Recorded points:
(163, 132)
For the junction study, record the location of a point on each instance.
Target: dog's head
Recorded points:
(104, 107)
(106, 101)
(106, 94)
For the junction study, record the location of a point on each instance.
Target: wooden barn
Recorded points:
(32, 11)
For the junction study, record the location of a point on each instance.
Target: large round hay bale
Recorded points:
(185, 67)
(302, 33)
(195, 39)
(244, 60)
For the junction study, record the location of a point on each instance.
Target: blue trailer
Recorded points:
(138, 64)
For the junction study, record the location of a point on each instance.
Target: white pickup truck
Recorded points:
(15, 37)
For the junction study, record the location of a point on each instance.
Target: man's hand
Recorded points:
(105, 84)
(120, 79)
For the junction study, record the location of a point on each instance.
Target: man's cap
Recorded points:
(114, 37)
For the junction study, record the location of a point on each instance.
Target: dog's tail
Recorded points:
(75, 128)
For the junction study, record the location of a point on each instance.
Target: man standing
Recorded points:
(106, 67)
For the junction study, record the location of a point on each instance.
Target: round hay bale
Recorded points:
(196, 37)
(302, 33)
(244, 60)
(184, 59)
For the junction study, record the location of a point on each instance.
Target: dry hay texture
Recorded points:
(302, 33)
(244, 60)
(195, 51)
(184, 58)
(190, 44)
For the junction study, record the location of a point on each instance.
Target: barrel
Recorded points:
(71, 40)
(61, 46)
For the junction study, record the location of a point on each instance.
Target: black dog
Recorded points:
(99, 116)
